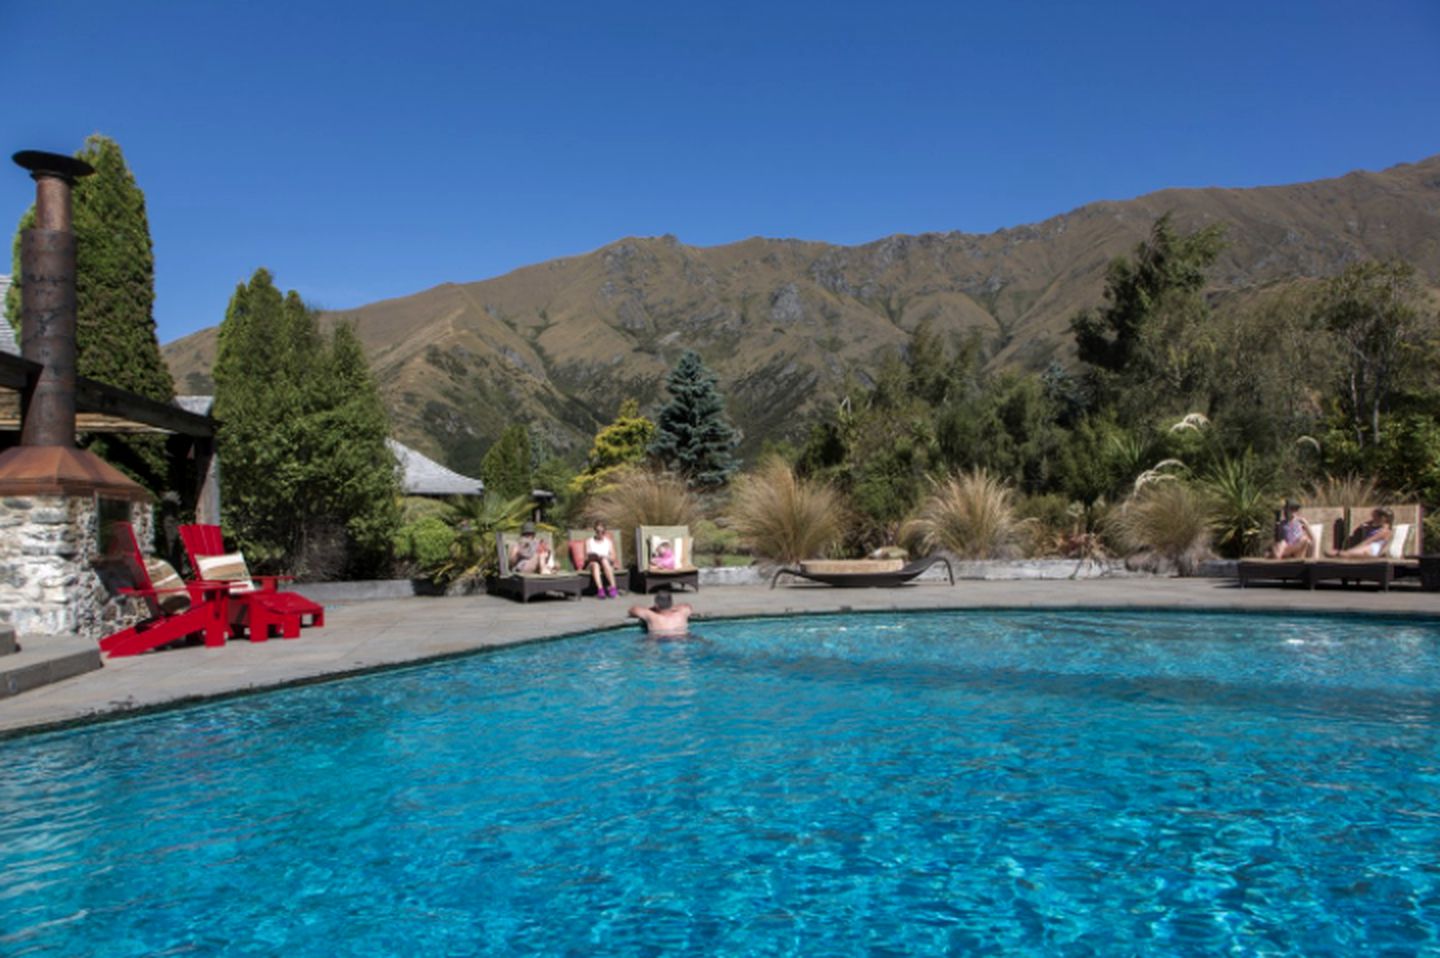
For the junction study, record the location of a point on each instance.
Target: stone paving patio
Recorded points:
(366, 635)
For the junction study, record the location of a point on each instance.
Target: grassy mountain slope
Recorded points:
(785, 322)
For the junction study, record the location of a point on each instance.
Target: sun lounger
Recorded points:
(645, 577)
(526, 585)
(863, 573)
(576, 539)
(1324, 524)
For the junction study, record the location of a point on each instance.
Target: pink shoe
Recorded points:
(614, 592)
(600, 594)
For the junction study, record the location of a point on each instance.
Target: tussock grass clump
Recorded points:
(643, 497)
(783, 517)
(1346, 491)
(971, 515)
(1166, 525)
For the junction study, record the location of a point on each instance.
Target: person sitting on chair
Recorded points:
(1292, 535)
(600, 560)
(1370, 539)
(664, 557)
(531, 555)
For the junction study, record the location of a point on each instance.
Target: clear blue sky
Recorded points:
(365, 150)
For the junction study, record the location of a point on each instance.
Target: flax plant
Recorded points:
(783, 517)
(970, 514)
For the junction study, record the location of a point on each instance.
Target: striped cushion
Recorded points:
(163, 577)
(229, 567)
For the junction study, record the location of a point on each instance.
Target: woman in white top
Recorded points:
(600, 560)
(1372, 538)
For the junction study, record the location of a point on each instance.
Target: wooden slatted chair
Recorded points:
(176, 610)
(257, 604)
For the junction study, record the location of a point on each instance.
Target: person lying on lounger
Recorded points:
(1370, 539)
(1292, 535)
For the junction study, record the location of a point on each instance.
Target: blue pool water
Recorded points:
(1044, 783)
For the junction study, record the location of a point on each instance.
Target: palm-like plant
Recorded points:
(1166, 524)
(970, 514)
(783, 517)
(475, 520)
(1244, 492)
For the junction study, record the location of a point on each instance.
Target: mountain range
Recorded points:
(786, 323)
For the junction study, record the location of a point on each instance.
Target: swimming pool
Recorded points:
(1020, 782)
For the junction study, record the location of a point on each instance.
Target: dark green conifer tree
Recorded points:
(115, 299)
(693, 435)
(310, 485)
(507, 468)
(351, 460)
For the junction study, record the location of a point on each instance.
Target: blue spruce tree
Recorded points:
(694, 437)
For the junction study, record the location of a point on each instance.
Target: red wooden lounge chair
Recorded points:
(176, 611)
(257, 608)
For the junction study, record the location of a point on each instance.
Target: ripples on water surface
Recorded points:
(1067, 783)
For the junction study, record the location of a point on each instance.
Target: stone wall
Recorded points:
(47, 585)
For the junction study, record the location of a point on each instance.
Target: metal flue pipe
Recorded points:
(47, 298)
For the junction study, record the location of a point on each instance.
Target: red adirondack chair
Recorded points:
(256, 602)
(175, 613)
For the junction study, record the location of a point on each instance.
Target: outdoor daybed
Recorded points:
(862, 573)
(526, 585)
(645, 577)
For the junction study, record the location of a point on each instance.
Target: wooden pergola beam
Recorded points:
(16, 372)
(100, 405)
(107, 400)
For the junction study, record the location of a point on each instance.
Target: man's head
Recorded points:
(599, 530)
(1291, 507)
(527, 529)
(1383, 516)
(663, 601)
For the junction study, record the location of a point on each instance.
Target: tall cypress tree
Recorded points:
(115, 299)
(255, 428)
(507, 468)
(351, 461)
(310, 485)
(693, 435)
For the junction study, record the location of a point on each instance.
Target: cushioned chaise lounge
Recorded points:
(1324, 524)
(576, 542)
(525, 586)
(863, 573)
(644, 577)
(1398, 562)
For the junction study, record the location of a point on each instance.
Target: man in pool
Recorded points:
(664, 618)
